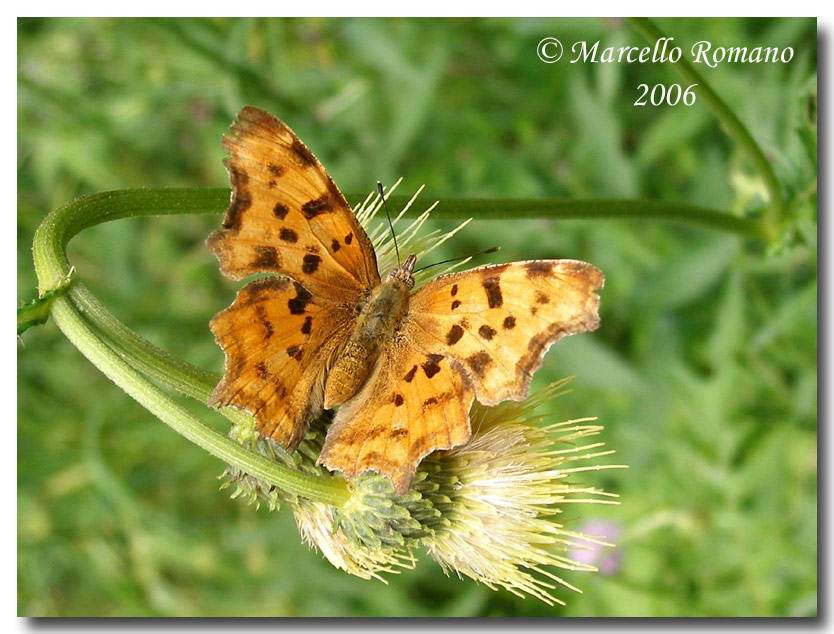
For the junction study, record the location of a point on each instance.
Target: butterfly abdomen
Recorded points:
(376, 325)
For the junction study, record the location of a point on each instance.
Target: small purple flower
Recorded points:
(596, 552)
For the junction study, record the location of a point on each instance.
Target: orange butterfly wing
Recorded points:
(416, 402)
(287, 217)
(500, 320)
(278, 339)
(480, 333)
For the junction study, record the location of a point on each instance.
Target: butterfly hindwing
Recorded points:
(415, 403)
(287, 216)
(278, 339)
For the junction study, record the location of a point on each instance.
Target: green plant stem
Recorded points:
(150, 360)
(140, 353)
(602, 208)
(37, 311)
(60, 226)
(736, 129)
(50, 261)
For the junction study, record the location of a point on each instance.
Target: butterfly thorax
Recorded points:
(378, 321)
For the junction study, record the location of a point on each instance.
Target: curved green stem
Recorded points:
(731, 122)
(117, 352)
(60, 226)
(37, 311)
(140, 353)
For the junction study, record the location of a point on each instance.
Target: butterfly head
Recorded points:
(404, 272)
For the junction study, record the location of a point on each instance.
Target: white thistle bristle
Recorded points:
(408, 240)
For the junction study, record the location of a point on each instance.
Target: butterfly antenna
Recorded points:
(461, 257)
(390, 224)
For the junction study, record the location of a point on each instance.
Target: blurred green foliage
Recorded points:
(704, 370)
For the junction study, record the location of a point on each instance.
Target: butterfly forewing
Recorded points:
(498, 321)
(287, 216)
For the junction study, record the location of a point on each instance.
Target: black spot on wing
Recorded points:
(541, 298)
(486, 332)
(276, 170)
(294, 352)
(455, 304)
(493, 292)
(509, 322)
(349, 238)
(398, 400)
(311, 264)
(539, 268)
(266, 258)
(307, 325)
(454, 335)
(280, 211)
(454, 290)
(410, 375)
(320, 205)
(298, 304)
(288, 235)
(431, 367)
(479, 362)
(335, 246)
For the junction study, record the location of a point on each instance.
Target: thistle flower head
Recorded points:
(489, 509)
(317, 526)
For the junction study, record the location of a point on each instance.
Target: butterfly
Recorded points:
(326, 330)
